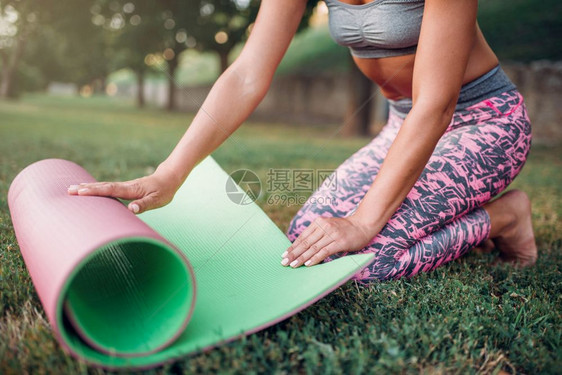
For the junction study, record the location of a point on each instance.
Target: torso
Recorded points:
(394, 74)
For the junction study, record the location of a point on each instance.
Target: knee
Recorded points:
(382, 272)
(372, 274)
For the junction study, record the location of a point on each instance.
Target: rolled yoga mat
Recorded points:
(126, 291)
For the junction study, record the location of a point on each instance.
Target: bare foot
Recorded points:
(514, 236)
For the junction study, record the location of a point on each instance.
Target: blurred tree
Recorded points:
(151, 32)
(134, 43)
(219, 25)
(523, 30)
(87, 52)
(71, 47)
(68, 47)
(83, 40)
(206, 25)
(18, 20)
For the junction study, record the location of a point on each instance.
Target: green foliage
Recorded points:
(58, 41)
(203, 19)
(465, 317)
(84, 40)
(312, 51)
(61, 41)
(523, 30)
(141, 34)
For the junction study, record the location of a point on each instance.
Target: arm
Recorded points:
(240, 89)
(233, 97)
(446, 39)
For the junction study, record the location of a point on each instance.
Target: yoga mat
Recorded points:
(126, 291)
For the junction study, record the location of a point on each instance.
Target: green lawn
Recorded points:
(464, 317)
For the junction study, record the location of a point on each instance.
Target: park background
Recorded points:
(112, 85)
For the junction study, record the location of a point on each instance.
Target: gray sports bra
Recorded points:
(380, 28)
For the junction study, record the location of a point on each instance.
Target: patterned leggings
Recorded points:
(481, 152)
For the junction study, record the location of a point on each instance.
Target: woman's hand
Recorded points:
(325, 237)
(146, 193)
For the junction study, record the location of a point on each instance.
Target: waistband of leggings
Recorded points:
(490, 84)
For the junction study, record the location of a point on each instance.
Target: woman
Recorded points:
(457, 135)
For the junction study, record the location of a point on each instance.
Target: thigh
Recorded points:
(343, 190)
(448, 243)
(481, 152)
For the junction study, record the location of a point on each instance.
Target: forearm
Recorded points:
(239, 89)
(446, 38)
(403, 165)
(233, 97)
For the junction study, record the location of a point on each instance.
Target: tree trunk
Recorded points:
(172, 66)
(9, 70)
(5, 78)
(8, 82)
(358, 115)
(103, 84)
(140, 89)
(223, 58)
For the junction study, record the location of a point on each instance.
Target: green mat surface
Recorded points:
(135, 301)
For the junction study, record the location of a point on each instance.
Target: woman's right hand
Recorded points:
(146, 193)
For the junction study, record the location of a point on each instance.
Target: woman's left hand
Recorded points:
(325, 237)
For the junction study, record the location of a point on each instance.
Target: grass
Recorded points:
(465, 317)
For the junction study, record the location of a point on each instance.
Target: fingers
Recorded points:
(73, 189)
(302, 243)
(135, 207)
(304, 235)
(124, 190)
(321, 249)
(314, 239)
(144, 193)
(323, 238)
(313, 258)
(147, 203)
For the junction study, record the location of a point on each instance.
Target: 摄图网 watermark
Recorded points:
(283, 186)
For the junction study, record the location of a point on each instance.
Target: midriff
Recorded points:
(394, 74)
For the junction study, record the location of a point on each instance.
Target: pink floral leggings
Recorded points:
(481, 152)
